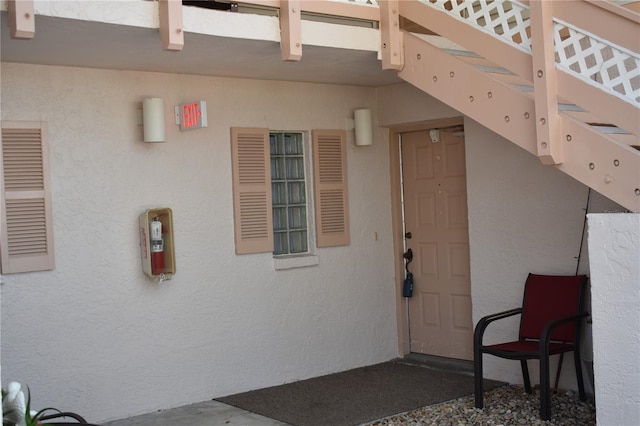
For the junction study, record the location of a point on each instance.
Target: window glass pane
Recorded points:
(278, 193)
(297, 218)
(298, 240)
(280, 218)
(278, 168)
(276, 143)
(280, 243)
(295, 167)
(288, 193)
(296, 193)
(293, 144)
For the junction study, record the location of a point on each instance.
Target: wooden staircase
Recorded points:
(560, 79)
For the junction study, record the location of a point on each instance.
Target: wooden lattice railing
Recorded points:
(612, 68)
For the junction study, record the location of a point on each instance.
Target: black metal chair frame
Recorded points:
(80, 420)
(542, 354)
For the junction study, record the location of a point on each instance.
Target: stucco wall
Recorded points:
(614, 244)
(404, 104)
(97, 337)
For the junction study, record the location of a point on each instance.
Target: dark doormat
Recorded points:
(357, 396)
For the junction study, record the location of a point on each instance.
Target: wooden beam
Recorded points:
(22, 23)
(290, 30)
(327, 7)
(171, 27)
(545, 83)
(390, 35)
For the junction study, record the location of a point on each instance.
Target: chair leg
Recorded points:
(477, 377)
(576, 357)
(525, 375)
(545, 389)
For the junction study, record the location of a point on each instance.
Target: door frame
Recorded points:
(396, 218)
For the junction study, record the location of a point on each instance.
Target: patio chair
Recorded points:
(550, 324)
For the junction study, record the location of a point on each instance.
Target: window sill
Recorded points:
(295, 261)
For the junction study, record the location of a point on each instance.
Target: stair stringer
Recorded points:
(589, 156)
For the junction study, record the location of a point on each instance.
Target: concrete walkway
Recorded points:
(208, 413)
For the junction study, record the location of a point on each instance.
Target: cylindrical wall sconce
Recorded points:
(153, 120)
(364, 131)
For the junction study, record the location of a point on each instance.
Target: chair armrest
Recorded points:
(485, 321)
(545, 337)
(75, 416)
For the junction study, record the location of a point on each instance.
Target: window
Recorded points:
(26, 238)
(288, 193)
(274, 202)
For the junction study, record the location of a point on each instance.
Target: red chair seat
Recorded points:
(533, 347)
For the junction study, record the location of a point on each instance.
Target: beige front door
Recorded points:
(435, 206)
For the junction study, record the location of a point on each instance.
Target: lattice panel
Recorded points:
(507, 20)
(595, 61)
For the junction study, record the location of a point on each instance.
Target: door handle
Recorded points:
(408, 255)
(407, 285)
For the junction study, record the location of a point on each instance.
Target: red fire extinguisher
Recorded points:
(157, 246)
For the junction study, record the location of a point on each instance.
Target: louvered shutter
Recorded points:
(251, 163)
(27, 235)
(330, 187)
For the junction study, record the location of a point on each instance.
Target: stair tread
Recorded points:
(457, 52)
(494, 69)
(584, 116)
(506, 76)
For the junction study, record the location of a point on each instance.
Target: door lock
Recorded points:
(408, 235)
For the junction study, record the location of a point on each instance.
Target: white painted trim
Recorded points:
(291, 262)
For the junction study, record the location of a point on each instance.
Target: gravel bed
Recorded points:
(507, 405)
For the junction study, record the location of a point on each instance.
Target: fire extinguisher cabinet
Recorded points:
(157, 244)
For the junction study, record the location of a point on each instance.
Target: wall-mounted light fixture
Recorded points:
(364, 131)
(153, 120)
(361, 123)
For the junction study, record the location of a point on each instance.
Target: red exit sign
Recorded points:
(192, 115)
